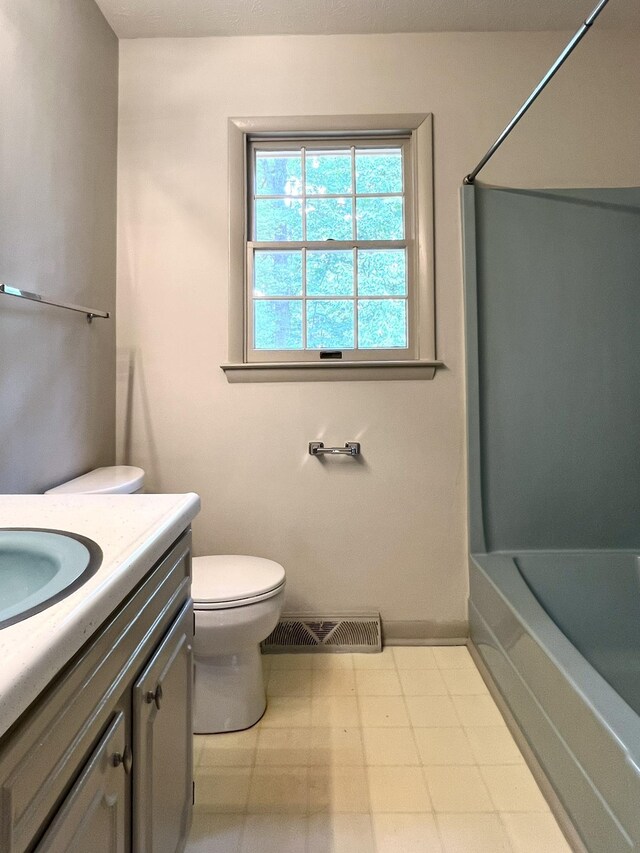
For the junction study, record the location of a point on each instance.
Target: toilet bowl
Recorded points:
(237, 604)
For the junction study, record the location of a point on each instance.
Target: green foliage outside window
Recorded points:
(334, 298)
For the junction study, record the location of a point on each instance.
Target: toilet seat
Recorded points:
(233, 580)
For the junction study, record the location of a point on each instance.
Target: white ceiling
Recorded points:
(174, 18)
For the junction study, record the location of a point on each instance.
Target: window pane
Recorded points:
(277, 324)
(330, 324)
(382, 272)
(330, 273)
(278, 219)
(278, 173)
(328, 172)
(382, 323)
(379, 219)
(329, 218)
(379, 170)
(277, 273)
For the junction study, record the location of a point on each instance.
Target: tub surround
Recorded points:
(583, 734)
(133, 532)
(551, 293)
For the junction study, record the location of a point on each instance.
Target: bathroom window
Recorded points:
(337, 239)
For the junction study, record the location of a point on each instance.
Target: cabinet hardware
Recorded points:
(155, 696)
(125, 758)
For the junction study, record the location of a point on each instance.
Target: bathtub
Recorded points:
(542, 622)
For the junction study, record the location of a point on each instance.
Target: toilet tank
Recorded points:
(112, 480)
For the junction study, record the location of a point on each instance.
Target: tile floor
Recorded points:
(401, 751)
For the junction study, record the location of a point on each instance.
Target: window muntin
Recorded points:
(329, 256)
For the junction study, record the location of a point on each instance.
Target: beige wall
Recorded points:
(58, 132)
(388, 534)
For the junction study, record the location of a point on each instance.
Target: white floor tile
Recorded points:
(198, 746)
(274, 833)
(398, 752)
(472, 833)
(295, 682)
(334, 682)
(336, 746)
(215, 833)
(377, 711)
(377, 682)
(414, 657)
(283, 747)
(389, 746)
(398, 789)
(422, 682)
(340, 833)
(376, 660)
(453, 657)
(535, 833)
(332, 661)
(493, 745)
(332, 711)
(513, 788)
(287, 712)
(458, 789)
(338, 789)
(289, 662)
(278, 790)
(235, 749)
(406, 833)
(432, 711)
(476, 711)
(464, 682)
(222, 789)
(447, 746)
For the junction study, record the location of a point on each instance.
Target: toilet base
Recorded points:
(229, 692)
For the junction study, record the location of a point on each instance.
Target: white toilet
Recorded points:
(237, 603)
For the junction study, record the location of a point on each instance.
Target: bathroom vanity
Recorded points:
(96, 691)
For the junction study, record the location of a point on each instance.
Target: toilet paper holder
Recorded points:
(351, 448)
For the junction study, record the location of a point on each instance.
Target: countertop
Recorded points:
(133, 531)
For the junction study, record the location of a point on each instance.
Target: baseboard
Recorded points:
(424, 632)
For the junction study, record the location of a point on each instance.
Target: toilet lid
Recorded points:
(233, 577)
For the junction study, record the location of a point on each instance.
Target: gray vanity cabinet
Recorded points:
(102, 761)
(162, 743)
(93, 816)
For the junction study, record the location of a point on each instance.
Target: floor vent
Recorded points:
(361, 633)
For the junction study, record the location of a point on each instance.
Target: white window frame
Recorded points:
(348, 354)
(419, 361)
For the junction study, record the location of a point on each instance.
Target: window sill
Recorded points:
(322, 371)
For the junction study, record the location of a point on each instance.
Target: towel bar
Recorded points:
(36, 297)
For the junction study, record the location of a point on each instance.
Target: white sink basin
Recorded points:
(39, 567)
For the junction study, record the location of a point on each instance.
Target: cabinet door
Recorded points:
(162, 743)
(92, 819)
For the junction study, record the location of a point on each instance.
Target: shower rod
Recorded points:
(574, 41)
